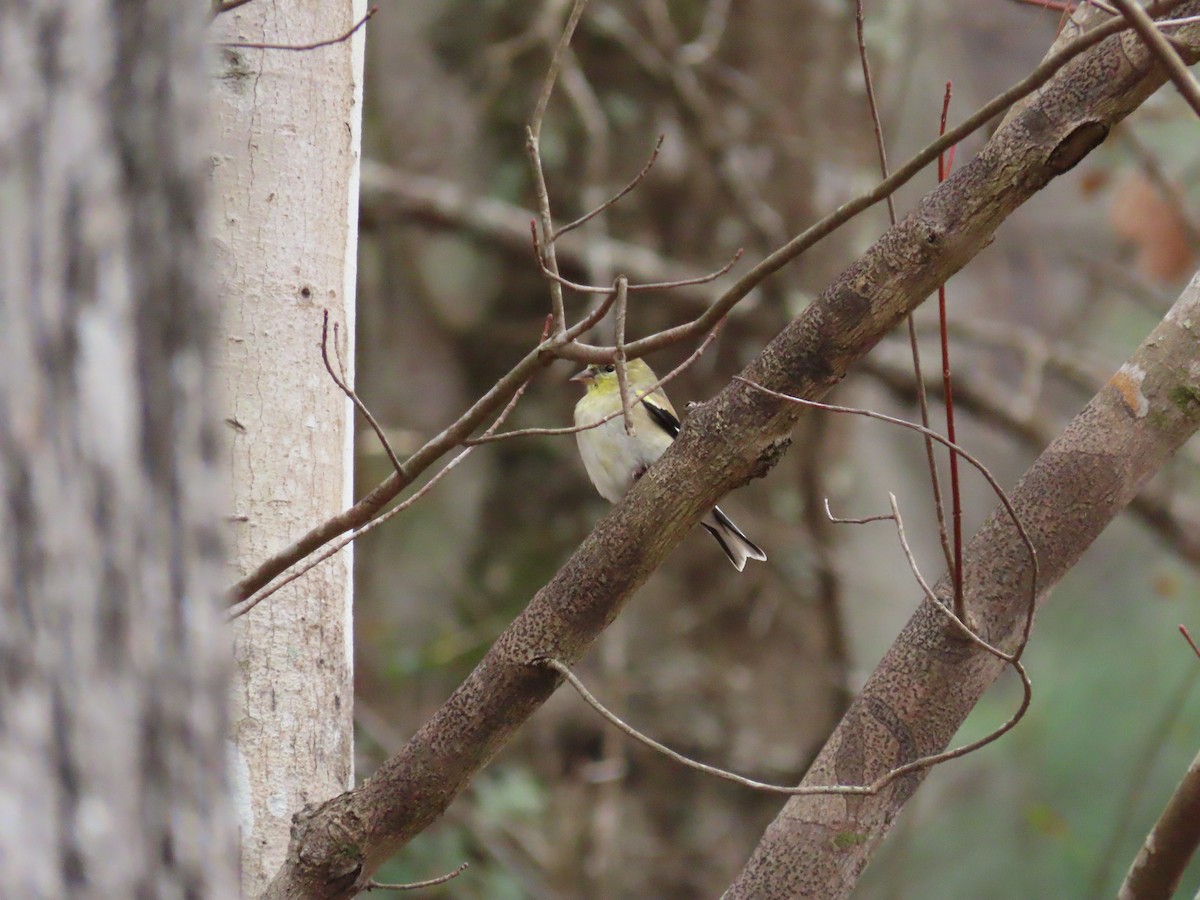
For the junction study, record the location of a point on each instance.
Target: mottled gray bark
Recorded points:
(737, 436)
(112, 659)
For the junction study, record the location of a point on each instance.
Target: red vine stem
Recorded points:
(945, 161)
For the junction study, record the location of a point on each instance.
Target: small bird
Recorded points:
(615, 460)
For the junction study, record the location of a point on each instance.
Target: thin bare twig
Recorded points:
(1136, 780)
(607, 204)
(313, 560)
(575, 429)
(533, 135)
(874, 787)
(343, 383)
(416, 885)
(619, 355)
(1177, 69)
(866, 520)
(632, 288)
(1187, 637)
(953, 448)
(316, 45)
(935, 480)
(956, 571)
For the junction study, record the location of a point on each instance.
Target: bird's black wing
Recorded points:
(663, 417)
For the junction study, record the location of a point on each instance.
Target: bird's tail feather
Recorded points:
(732, 539)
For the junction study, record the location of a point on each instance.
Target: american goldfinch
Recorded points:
(615, 460)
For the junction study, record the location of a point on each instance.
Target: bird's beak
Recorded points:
(582, 377)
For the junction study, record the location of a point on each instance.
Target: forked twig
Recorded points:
(983, 470)
(343, 382)
(309, 563)
(533, 136)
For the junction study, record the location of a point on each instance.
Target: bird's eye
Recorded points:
(610, 368)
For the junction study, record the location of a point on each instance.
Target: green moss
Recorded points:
(1186, 397)
(847, 839)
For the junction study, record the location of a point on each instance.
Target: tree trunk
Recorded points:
(112, 661)
(285, 171)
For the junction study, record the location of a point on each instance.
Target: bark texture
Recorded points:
(737, 436)
(112, 659)
(285, 184)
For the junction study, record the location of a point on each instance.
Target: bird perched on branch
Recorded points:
(615, 460)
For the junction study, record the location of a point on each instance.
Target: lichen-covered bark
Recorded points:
(112, 661)
(737, 436)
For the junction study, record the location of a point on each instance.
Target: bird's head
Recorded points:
(601, 378)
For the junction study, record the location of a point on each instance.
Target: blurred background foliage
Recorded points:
(765, 128)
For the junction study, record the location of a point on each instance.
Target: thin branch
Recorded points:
(554, 276)
(313, 560)
(956, 570)
(342, 382)
(838, 520)
(1160, 864)
(1187, 637)
(863, 790)
(935, 480)
(953, 448)
(533, 136)
(556, 62)
(316, 45)
(1177, 69)
(607, 204)
(575, 429)
(416, 885)
(619, 355)
(1135, 781)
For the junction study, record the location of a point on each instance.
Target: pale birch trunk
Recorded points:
(285, 185)
(112, 656)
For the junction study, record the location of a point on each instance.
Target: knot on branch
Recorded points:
(1075, 146)
(769, 457)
